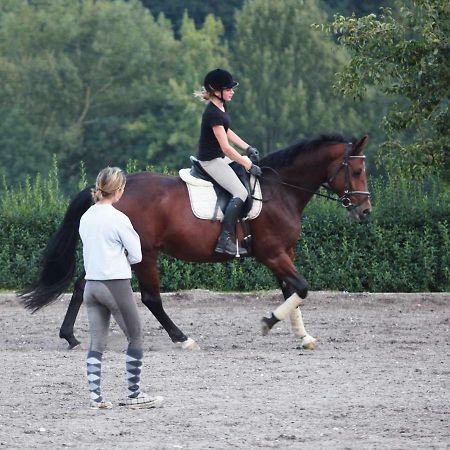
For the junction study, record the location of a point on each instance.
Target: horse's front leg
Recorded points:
(294, 288)
(296, 318)
(298, 327)
(148, 277)
(66, 330)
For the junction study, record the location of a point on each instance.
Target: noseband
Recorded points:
(345, 199)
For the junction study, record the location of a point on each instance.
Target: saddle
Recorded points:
(209, 200)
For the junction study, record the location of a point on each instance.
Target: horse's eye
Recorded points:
(357, 173)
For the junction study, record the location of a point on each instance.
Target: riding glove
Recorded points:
(253, 154)
(255, 170)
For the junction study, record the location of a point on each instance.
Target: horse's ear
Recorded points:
(359, 146)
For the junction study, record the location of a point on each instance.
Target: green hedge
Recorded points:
(403, 247)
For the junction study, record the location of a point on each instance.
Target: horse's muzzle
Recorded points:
(361, 211)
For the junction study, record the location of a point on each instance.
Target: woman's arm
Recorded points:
(130, 240)
(236, 140)
(222, 138)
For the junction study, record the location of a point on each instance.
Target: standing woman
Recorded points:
(110, 246)
(215, 152)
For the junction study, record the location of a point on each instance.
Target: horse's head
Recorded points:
(347, 177)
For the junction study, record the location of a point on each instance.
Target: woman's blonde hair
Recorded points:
(109, 181)
(203, 95)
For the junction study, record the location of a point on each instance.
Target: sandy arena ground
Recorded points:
(379, 378)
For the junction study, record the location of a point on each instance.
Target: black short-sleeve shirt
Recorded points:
(208, 145)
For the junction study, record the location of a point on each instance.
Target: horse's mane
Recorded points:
(284, 157)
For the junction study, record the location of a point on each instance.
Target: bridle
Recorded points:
(344, 200)
(348, 192)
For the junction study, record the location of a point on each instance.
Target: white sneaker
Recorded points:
(100, 405)
(143, 400)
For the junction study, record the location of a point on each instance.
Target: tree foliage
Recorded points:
(406, 55)
(77, 74)
(198, 10)
(106, 82)
(225, 10)
(286, 69)
(172, 131)
(102, 82)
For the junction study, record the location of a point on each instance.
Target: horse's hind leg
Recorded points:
(148, 277)
(66, 330)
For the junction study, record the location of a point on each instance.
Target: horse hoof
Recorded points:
(73, 342)
(265, 326)
(303, 294)
(189, 344)
(73, 347)
(308, 342)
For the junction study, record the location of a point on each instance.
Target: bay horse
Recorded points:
(160, 211)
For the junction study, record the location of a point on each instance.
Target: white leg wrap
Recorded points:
(286, 308)
(308, 342)
(189, 344)
(297, 323)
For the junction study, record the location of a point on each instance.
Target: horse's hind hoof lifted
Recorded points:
(266, 325)
(72, 341)
(189, 344)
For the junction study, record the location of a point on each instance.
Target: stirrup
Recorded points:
(240, 250)
(230, 248)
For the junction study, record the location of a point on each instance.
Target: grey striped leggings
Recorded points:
(104, 298)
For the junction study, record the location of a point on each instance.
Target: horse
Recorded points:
(159, 208)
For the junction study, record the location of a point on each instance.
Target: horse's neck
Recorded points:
(307, 174)
(309, 171)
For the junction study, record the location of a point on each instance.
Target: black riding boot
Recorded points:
(227, 239)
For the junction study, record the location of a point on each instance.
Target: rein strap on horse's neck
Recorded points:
(344, 199)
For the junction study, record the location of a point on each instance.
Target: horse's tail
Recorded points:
(59, 257)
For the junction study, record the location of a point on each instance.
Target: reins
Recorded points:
(344, 200)
(299, 188)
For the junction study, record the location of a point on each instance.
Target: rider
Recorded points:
(215, 153)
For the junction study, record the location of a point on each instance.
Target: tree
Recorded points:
(80, 72)
(172, 132)
(286, 70)
(357, 7)
(198, 10)
(225, 10)
(407, 56)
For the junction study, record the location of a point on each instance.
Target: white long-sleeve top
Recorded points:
(106, 234)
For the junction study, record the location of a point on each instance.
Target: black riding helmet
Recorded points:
(218, 80)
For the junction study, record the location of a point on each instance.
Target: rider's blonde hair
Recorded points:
(109, 181)
(203, 95)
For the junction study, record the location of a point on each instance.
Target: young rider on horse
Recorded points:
(110, 245)
(215, 153)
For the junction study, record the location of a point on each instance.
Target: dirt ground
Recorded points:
(379, 378)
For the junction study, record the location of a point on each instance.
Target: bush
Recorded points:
(403, 247)
(29, 215)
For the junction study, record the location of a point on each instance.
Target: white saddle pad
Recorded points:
(203, 197)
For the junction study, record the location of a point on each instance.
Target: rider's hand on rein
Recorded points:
(255, 170)
(253, 154)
